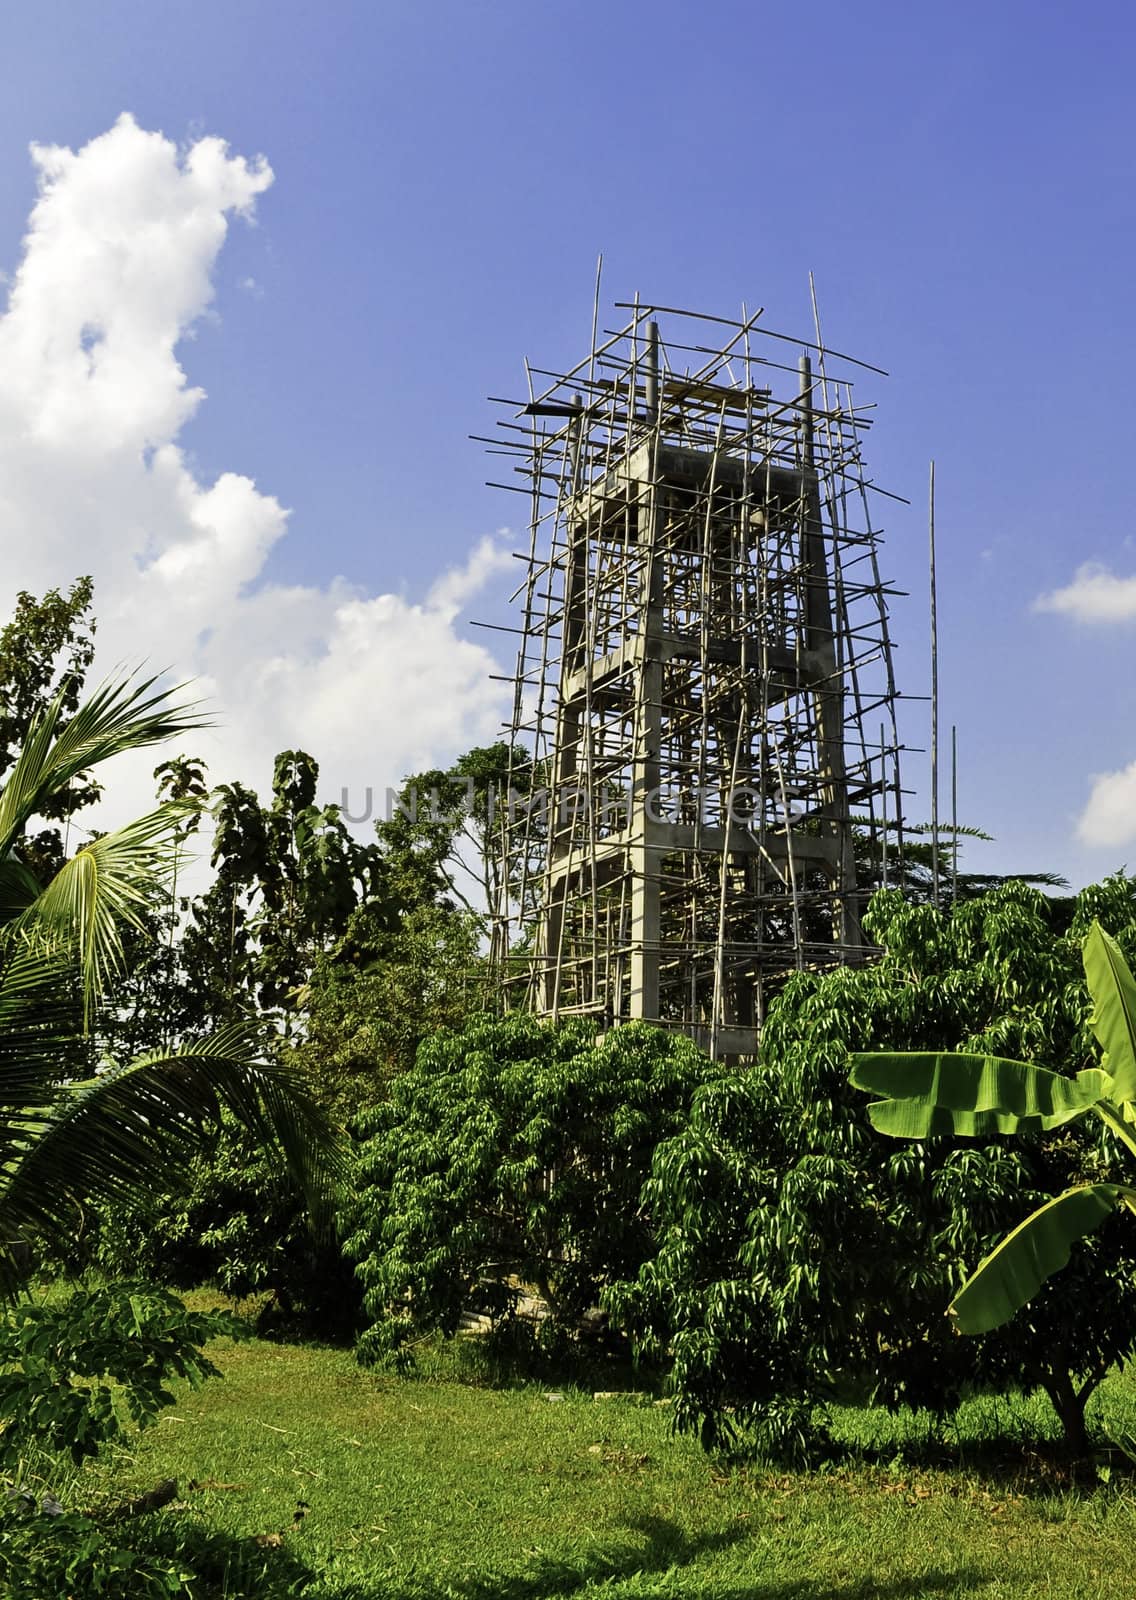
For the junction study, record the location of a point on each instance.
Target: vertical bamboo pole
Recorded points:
(954, 815)
(645, 854)
(934, 701)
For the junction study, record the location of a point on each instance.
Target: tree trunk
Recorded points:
(1069, 1404)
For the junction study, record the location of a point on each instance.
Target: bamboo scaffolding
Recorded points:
(703, 638)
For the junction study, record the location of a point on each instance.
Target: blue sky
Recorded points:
(960, 181)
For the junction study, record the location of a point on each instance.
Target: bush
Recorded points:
(45, 1551)
(240, 1225)
(129, 1339)
(801, 1253)
(76, 1375)
(512, 1154)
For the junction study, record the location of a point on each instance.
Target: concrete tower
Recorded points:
(704, 697)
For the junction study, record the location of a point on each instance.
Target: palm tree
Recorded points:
(68, 1138)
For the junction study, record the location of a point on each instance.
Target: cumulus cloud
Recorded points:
(117, 269)
(1109, 818)
(1095, 595)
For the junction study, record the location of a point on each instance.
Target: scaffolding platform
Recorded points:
(703, 724)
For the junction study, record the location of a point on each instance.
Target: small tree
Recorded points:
(973, 1095)
(513, 1152)
(800, 1252)
(288, 875)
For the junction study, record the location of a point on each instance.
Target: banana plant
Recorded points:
(927, 1094)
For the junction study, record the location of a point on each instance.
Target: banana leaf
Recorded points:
(1113, 1018)
(930, 1093)
(1038, 1247)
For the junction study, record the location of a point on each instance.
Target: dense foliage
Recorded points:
(384, 987)
(974, 1095)
(513, 1153)
(238, 1222)
(80, 1375)
(800, 1251)
(48, 1551)
(346, 956)
(71, 1138)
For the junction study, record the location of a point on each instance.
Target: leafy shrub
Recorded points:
(76, 1375)
(241, 1225)
(52, 1552)
(128, 1339)
(512, 1153)
(800, 1252)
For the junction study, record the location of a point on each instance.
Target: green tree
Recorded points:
(287, 878)
(45, 651)
(411, 958)
(512, 1152)
(973, 1095)
(238, 1222)
(347, 955)
(883, 863)
(152, 1002)
(392, 980)
(442, 840)
(67, 1139)
(800, 1252)
(354, 954)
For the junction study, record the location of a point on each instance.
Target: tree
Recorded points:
(881, 865)
(237, 1220)
(513, 1152)
(67, 1140)
(347, 955)
(288, 877)
(391, 981)
(975, 1095)
(800, 1253)
(444, 830)
(46, 650)
(411, 958)
(152, 1002)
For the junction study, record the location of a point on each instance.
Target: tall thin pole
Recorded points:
(934, 704)
(954, 815)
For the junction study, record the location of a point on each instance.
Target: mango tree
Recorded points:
(799, 1256)
(513, 1152)
(927, 1094)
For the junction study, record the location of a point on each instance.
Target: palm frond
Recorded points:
(116, 1136)
(122, 714)
(106, 884)
(39, 1028)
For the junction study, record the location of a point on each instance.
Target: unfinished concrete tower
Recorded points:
(705, 757)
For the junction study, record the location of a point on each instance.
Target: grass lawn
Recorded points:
(428, 1488)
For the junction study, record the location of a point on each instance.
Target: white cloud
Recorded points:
(1095, 595)
(1109, 818)
(117, 269)
(454, 588)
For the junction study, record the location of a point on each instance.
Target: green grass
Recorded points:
(430, 1489)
